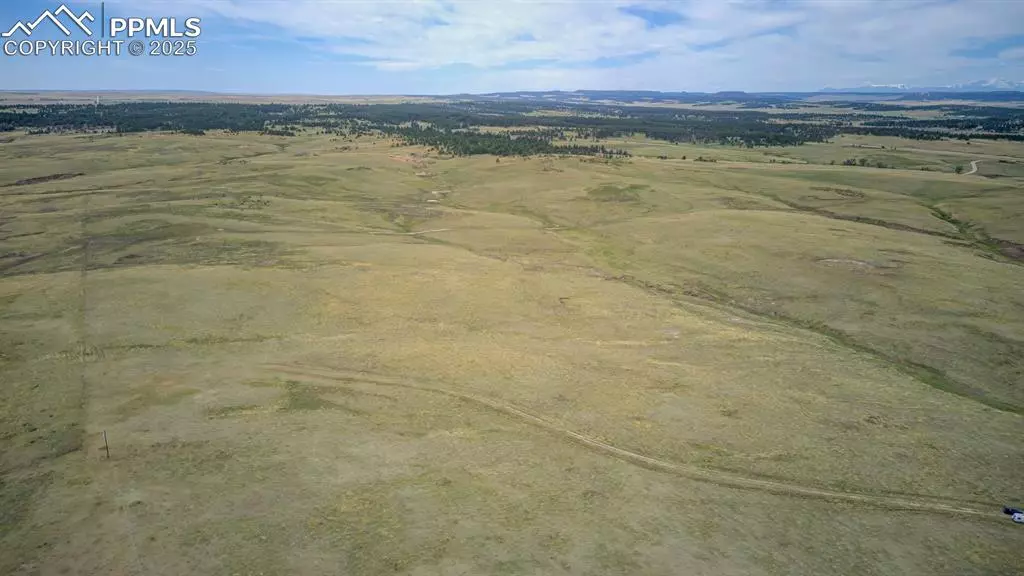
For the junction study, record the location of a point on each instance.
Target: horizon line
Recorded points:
(864, 90)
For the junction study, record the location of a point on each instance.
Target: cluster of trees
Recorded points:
(985, 124)
(454, 127)
(862, 162)
(586, 121)
(952, 121)
(930, 134)
(895, 132)
(147, 116)
(738, 133)
(463, 143)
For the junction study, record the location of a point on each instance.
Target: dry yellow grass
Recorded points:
(311, 360)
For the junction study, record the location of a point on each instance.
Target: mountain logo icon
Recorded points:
(27, 28)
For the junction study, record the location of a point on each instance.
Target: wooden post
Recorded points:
(105, 445)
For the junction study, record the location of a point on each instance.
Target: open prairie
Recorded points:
(316, 355)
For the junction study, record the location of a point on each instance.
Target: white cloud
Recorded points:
(746, 44)
(1012, 54)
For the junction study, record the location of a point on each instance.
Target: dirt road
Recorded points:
(721, 478)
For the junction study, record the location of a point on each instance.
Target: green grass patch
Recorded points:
(617, 192)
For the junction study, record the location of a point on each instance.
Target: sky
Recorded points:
(479, 46)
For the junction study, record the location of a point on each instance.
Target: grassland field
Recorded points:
(316, 356)
(996, 159)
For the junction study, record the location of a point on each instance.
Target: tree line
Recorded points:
(529, 127)
(463, 143)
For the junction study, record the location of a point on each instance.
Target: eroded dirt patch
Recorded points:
(41, 179)
(853, 263)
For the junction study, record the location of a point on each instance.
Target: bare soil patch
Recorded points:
(41, 179)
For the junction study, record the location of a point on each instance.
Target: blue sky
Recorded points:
(444, 47)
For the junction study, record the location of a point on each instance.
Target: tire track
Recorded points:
(81, 319)
(86, 354)
(711, 476)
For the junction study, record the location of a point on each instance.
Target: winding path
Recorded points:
(717, 477)
(974, 167)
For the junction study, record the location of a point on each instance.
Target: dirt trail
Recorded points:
(974, 167)
(717, 477)
(956, 153)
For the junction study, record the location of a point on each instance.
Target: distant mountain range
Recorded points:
(992, 85)
(995, 90)
(984, 92)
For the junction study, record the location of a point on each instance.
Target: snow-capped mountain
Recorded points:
(990, 85)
